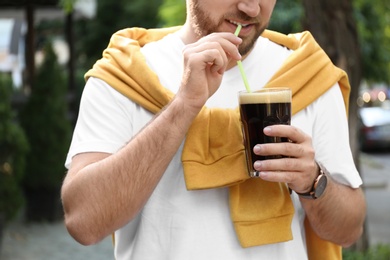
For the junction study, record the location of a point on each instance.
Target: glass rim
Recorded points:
(264, 90)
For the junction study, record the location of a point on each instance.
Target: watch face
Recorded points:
(321, 185)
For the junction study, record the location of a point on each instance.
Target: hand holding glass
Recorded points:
(259, 109)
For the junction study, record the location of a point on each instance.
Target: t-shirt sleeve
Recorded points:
(104, 120)
(331, 138)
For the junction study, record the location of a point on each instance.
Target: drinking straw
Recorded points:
(239, 63)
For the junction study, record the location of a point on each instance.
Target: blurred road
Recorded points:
(51, 241)
(375, 170)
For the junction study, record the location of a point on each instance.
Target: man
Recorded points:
(147, 113)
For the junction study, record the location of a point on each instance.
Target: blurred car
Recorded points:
(375, 128)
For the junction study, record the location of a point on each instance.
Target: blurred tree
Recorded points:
(67, 5)
(93, 35)
(13, 149)
(287, 17)
(172, 12)
(334, 26)
(373, 31)
(373, 22)
(48, 130)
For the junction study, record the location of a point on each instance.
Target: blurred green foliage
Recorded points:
(373, 22)
(92, 36)
(67, 5)
(287, 16)
(172, 12)
(13, 149)
(377, 252)
(45, 121)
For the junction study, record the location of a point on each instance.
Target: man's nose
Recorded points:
(250, 7)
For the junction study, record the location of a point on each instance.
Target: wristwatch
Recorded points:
(319, 185)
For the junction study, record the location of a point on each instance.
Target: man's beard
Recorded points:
(203, 25)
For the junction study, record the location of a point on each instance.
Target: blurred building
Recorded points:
(12, 31)
(15, 24)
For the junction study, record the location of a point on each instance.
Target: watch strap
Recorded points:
(319, 183)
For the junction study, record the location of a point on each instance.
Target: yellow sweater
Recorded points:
(215, 158)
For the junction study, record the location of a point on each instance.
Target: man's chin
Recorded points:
(249, 42)
(244, 49)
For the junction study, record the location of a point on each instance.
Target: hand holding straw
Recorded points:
(239, 63)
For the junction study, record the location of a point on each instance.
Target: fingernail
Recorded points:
(257, 148)
(257, 164)
(267, 129)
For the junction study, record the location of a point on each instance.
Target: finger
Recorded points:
(219, 37)
(227, 42)
(270, 174)
(279, 165)
(212, 57)
(292, 133)
(286, 149)
(294, 180)
(297, 174)
(287, 170)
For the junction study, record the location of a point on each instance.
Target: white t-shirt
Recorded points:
(178, 224)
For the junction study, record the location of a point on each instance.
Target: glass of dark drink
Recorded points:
(259, 109)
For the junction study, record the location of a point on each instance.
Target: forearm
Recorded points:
(338, 215)
(102, 196)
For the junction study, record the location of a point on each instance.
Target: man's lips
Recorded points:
(246, 27)
(238, 23)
